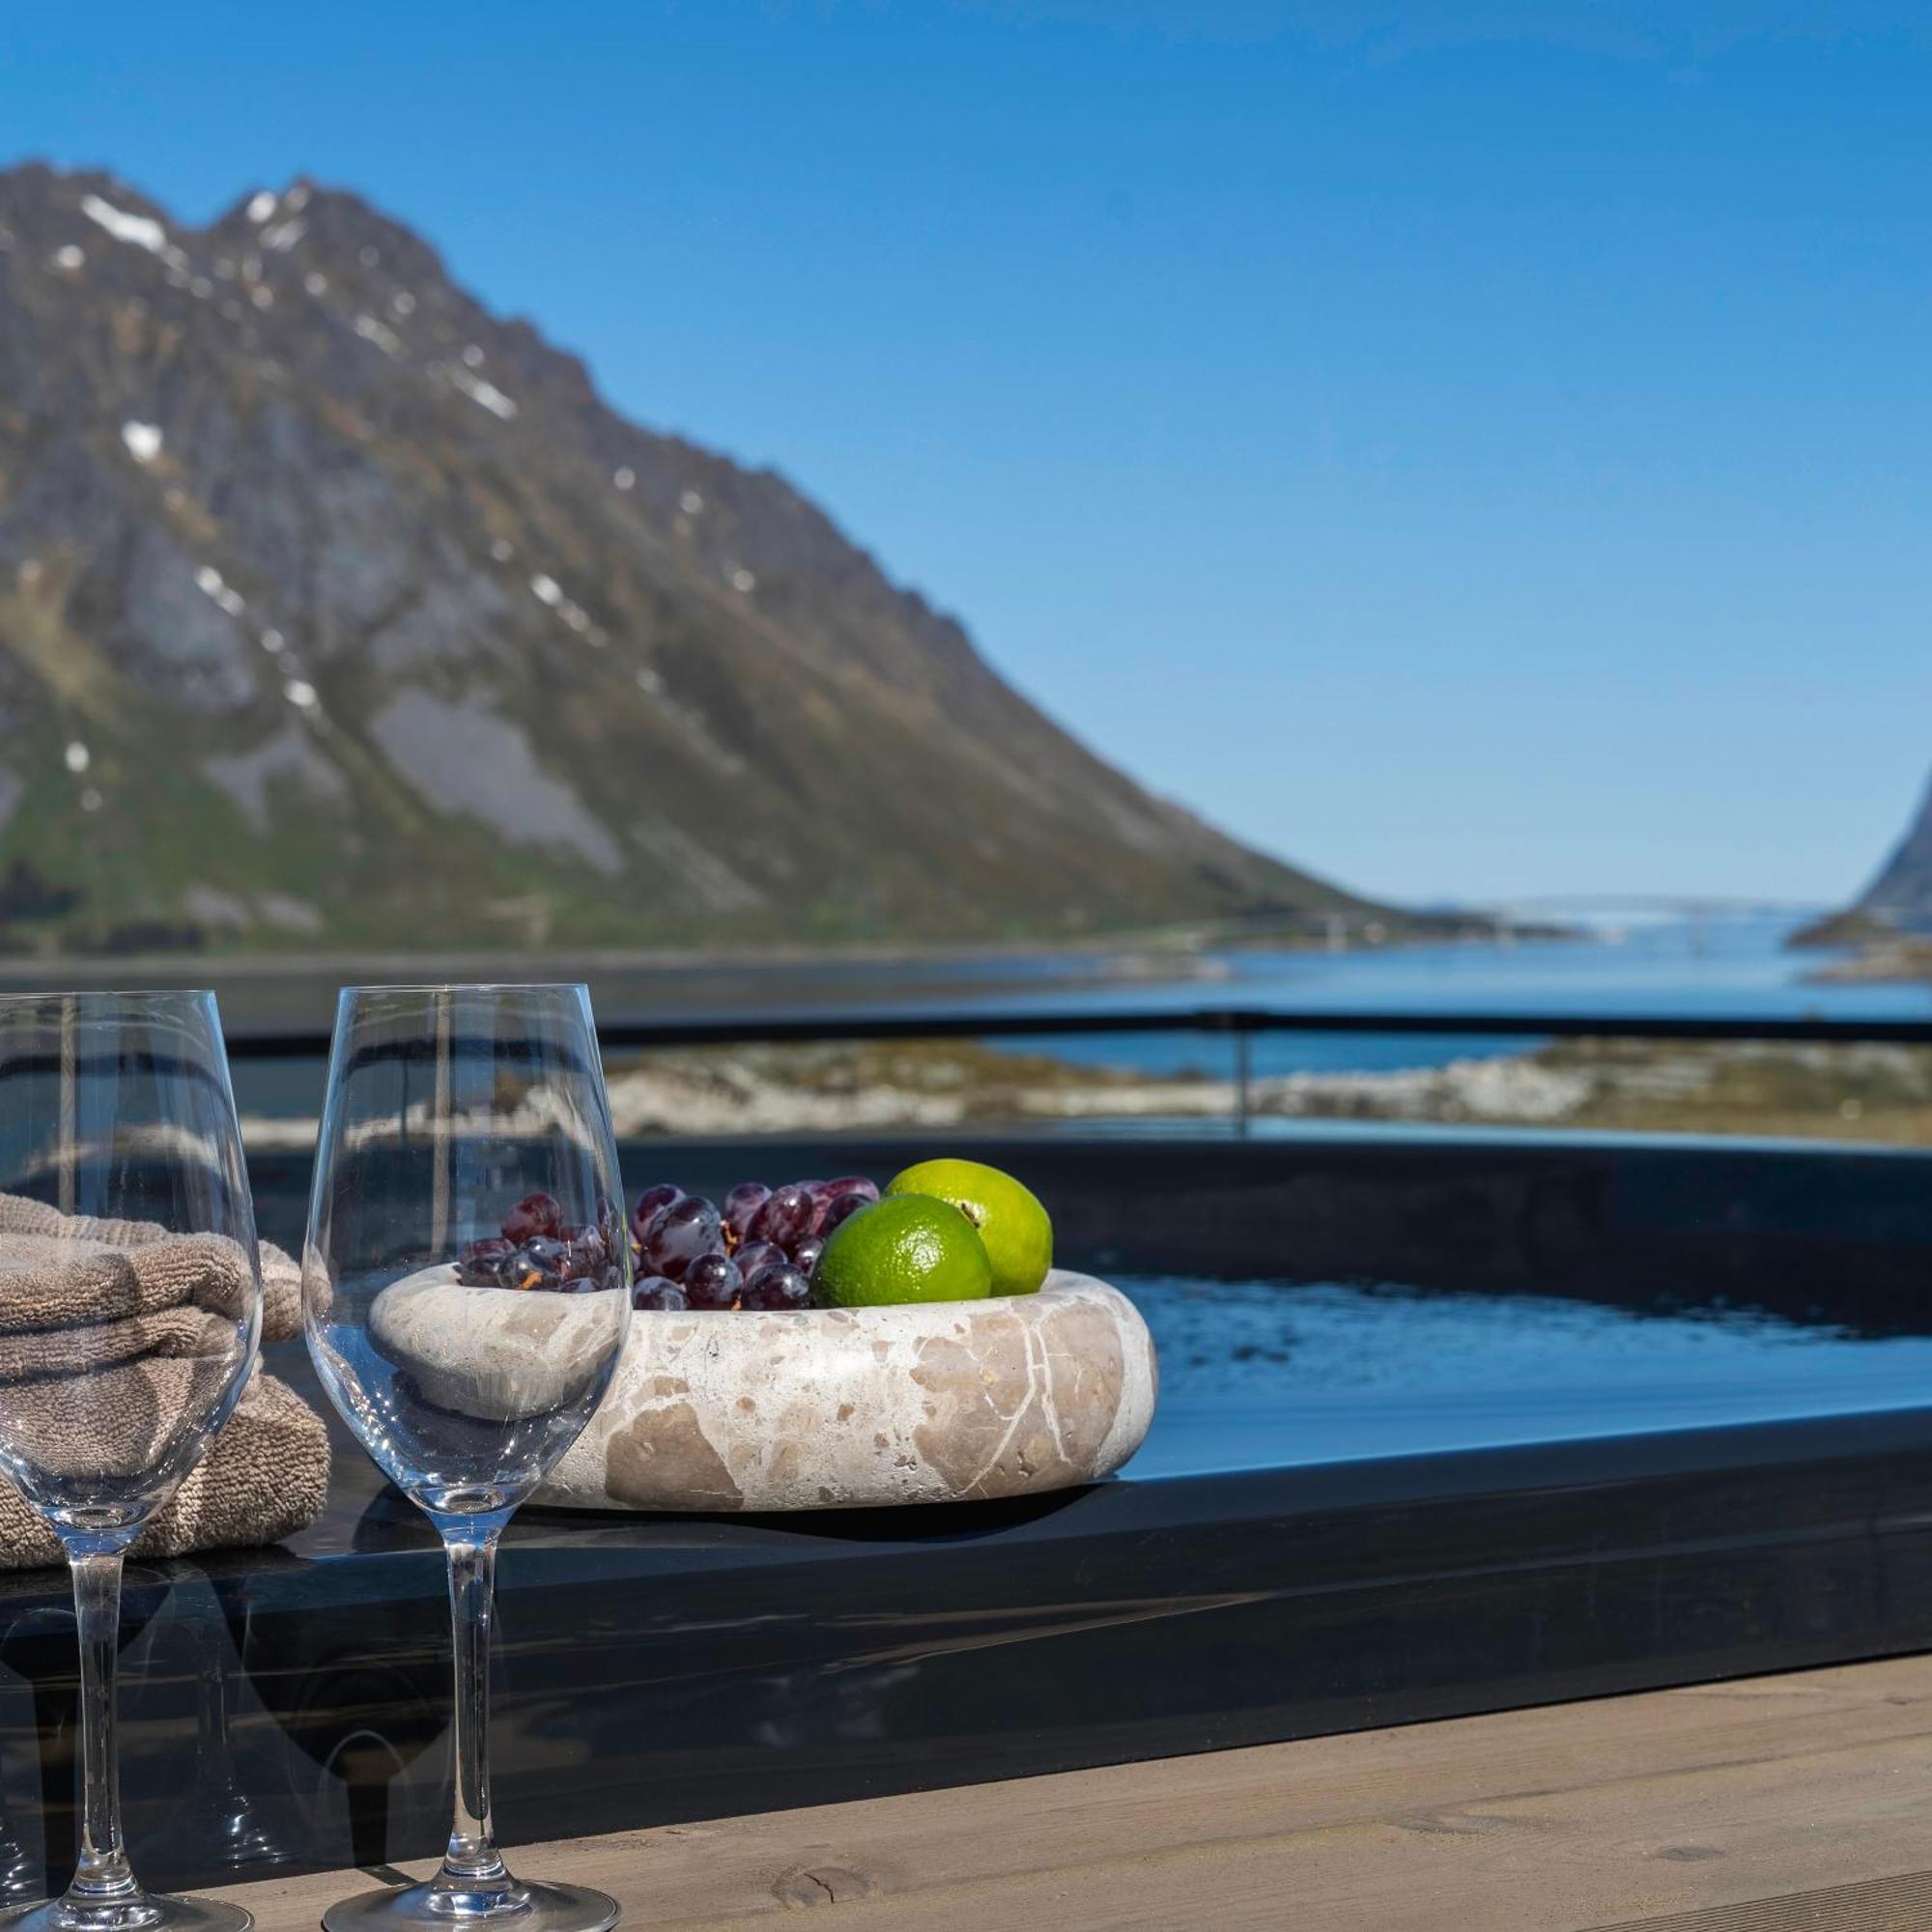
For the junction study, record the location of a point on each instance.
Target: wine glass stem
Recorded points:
(103, 1877)
(472, 1855)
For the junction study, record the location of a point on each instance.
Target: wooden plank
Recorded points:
(1739, 1798)
(1901, 1904)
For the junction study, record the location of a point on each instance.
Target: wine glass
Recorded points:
(466, 1291)
(130, 1316)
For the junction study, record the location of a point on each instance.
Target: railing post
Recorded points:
(1243, 1079)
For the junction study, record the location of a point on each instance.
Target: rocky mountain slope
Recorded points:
(1901, 896)
(334, 608)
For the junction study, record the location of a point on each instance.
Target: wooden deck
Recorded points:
(1797, 1803)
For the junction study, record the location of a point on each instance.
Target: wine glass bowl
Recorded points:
(466, 1290)
(130, 1310)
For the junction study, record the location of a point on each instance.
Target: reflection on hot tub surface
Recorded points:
(1263, 1373)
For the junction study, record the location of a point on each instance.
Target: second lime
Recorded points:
(1008, 1214)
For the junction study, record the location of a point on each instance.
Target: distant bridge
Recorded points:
(1677, 905)
(1508, 916)
(1609, 911)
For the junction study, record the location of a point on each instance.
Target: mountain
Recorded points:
(1893, 915)
(334, 608)
(1901, 896)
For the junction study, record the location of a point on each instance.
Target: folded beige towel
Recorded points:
(39, 1357)
(57, 1269)
(107, 1330)
(264, 1477)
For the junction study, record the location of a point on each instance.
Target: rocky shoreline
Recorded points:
(1894, 961)
(1871, 1093)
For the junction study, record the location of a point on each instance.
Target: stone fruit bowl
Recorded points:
(843, 1408)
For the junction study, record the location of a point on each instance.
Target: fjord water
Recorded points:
(1731, 966)
(1742, 967)
(1735, 968)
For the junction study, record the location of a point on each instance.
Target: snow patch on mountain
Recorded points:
(380, 333)
(140, 230)
(209, 582)
(478, 390)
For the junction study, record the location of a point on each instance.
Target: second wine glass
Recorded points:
(466, 1291)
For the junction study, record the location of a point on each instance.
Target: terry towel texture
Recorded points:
(105, 1329)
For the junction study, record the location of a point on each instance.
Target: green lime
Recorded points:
(910, 1248)
(1015, 1227)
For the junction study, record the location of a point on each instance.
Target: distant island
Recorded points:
(338, 612)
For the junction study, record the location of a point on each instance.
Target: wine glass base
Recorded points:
(524, 1908)
(145, 1912)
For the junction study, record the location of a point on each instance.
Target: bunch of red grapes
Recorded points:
(760, 1250)
(537, 1249)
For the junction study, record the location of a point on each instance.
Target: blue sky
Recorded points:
(1470, 449)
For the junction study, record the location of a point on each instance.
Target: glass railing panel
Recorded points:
(1220, 1080)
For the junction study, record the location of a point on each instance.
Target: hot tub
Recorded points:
(1448, 1423)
